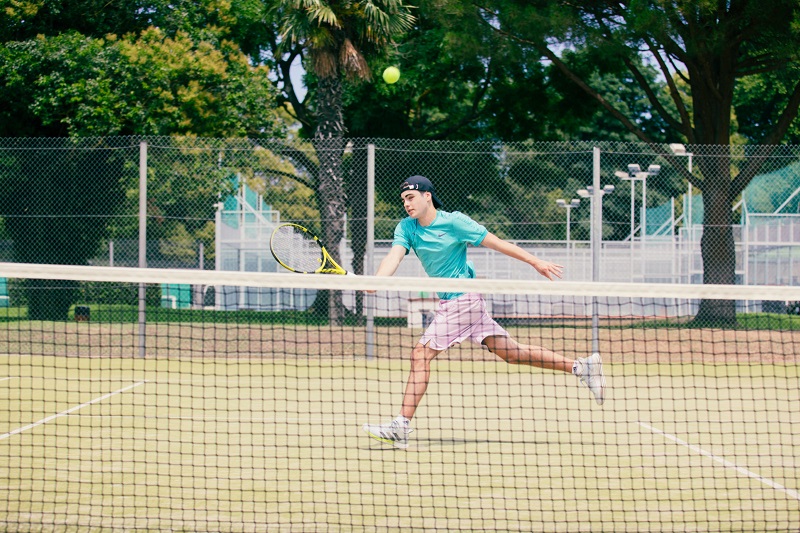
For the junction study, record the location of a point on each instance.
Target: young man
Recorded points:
(440, 239)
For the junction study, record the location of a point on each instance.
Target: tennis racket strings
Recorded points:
(296, 249)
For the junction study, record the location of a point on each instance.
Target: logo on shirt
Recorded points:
(440, 235)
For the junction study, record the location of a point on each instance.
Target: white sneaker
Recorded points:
(592, 376)
(395, 432)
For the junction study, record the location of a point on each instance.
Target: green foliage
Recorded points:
(463, 80)
(759, 100)
(43, 190)
(459, 81)
(203, 19)
(147, 84)
(460, 187)
(25, 19)
(583, 118)
(744, 321)
(369, 24)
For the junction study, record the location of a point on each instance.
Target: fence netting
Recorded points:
(210, 202)
(214, 391)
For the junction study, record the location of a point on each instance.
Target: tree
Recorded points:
(158, 82)
(759, 100)
(334, 39)
(202, 19)
(462, 80)
(712, 47)
(40, 194)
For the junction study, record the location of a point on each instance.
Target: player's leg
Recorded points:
(510, 351)
(396, 432)
(417, 384)
(451, 325)
(589, 370)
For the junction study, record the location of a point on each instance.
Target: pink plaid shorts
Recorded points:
(458, 319)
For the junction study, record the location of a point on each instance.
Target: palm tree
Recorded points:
(337, 37)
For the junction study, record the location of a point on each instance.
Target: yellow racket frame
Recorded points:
(327, 264)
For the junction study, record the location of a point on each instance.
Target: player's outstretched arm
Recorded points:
(390, 263)
(392, 260)
(545, 268)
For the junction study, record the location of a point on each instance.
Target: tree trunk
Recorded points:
(357, 206)
(49, 299)
(713, 77)
(329, 144)
(717, 246)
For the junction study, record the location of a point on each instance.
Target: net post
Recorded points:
(369, 299)
(597, 241)
(142, 244)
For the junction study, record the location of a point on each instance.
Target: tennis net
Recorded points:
(233, 401)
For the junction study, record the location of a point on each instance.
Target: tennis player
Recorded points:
(439, 239)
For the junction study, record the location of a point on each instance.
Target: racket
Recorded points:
(295, 248)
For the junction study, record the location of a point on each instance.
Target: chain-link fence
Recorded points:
(696, 214)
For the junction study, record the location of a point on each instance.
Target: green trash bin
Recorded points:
(176, 295)
(5, 301)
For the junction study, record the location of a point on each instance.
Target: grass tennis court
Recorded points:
(264, 445)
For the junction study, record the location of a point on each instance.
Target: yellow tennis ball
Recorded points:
(391, 74)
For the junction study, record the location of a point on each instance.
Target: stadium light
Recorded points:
(680, 150)
(677, 148)
(588, 192)
(575, 202)
(633, 175)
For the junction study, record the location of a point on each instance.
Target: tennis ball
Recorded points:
(391, 74)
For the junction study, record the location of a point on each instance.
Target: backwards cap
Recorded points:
(422, 184)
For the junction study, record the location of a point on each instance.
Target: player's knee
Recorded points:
(421, 356)
(418, 354)
(511, 357)
(509, 354)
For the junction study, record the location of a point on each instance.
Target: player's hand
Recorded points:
(549, 270)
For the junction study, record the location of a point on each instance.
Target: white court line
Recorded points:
(70, 410)
(724, 462)
(6, 379)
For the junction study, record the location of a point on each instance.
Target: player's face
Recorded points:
(416, 203)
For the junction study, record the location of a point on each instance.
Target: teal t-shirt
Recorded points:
(442, 246)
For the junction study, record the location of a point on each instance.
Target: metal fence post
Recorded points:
(218, 292)
(597, 242)
(369, 299)
(142, 245)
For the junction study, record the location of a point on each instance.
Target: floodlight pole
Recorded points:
(569, 206)
(569, 209)
(680, 150)
(627, 177)
(690, 190)
(644, 214)
(633, 212)
(633, 174)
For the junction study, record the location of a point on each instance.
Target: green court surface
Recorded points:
(252, 445)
